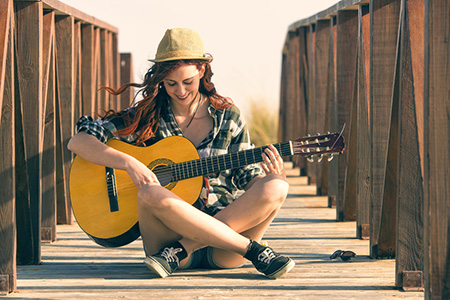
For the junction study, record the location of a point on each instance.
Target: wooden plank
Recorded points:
(78, 102)
(409, 250)
(347, 33)
(103, 72)
(302, 113)
(29, 87)
(87, 70)
(66, 10)
(388, 222)
(436, 147)
(48, 219)
(311, 126)
(115, 69)
(333, 126)
(5, 15)
(305, 229)
(283, 94)
(383, 44)
(349, 195)
(363, 154)
(126, 76)
(65, 65)
(321, 65)
(8, 271)
(97, 67)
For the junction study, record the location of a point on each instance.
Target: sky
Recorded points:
(245, 37)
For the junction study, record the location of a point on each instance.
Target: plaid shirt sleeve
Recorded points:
(103, 129)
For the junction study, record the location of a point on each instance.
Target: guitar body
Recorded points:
(89, 191)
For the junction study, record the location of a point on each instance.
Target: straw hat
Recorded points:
(181, 43)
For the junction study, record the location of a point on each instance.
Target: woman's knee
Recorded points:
(275, 187)
(152, 196)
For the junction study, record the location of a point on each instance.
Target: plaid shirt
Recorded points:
(229, 134)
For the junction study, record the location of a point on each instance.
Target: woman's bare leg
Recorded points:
(164, 218)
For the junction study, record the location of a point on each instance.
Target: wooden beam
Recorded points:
(48, 222)
(65, 65)
(347, 33)
(363, 172)
(311, 125)
(321, 65)
(383, 44)
(436, 148)
(126, 76)
(409, 250)
(8, 272)
(29, 88)
(333, 126)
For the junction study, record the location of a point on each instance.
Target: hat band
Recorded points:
(179, 53)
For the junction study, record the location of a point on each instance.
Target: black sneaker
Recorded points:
(166, 261)
(267, 261)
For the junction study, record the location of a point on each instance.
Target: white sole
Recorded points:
(156, 267)
(290, 265)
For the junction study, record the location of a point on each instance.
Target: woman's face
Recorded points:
(183, 83)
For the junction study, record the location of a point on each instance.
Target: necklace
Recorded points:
(198, 105)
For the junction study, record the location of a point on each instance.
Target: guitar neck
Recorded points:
(214, 164)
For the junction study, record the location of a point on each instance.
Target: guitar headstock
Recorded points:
(319, 145)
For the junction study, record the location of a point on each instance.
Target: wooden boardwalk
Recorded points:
(76, 268)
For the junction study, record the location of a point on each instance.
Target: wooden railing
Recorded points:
(53, 58)
(381, 67)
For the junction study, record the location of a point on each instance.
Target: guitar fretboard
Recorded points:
(214, 164)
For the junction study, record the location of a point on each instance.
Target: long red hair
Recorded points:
(148, 110)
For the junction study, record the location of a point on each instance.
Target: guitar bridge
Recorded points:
(112, 189)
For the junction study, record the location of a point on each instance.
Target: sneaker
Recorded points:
(267, 261)
(166, 261)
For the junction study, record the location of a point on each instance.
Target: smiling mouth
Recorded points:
(182, 97)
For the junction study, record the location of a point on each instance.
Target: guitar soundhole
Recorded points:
(162, 170)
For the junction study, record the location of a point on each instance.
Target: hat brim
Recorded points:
(180, 58)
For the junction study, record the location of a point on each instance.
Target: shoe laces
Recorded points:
(266, 256)
(170, 254)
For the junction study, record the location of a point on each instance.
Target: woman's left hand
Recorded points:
(272, 161)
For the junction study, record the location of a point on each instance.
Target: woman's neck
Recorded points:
(187, 110)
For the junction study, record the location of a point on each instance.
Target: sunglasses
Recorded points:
(344, 255)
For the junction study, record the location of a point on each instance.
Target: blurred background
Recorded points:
(245, 37)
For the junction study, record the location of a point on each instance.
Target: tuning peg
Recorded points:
(330, 157)
(320, 158)
(308, 135)
(310, 158)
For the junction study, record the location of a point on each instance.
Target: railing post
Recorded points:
(7, 150)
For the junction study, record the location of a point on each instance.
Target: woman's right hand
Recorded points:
(140, 174)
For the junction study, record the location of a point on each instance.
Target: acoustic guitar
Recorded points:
(104, 199)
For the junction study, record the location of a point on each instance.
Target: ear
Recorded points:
(202, 71)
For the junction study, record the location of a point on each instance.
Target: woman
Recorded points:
(218, 231)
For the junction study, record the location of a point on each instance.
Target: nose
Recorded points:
(181, 90)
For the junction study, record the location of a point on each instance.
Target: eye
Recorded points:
(171, 84)
(188, 83)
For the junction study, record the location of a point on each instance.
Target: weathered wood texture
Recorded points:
(126, 76)
(391, 87)
(41, 86)
(409, 240)
(7, 178)
(363, 174)
(28, 18)
(304, 229)
(384, 33)
(436, 149)
(321, 65)
(347, 34)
